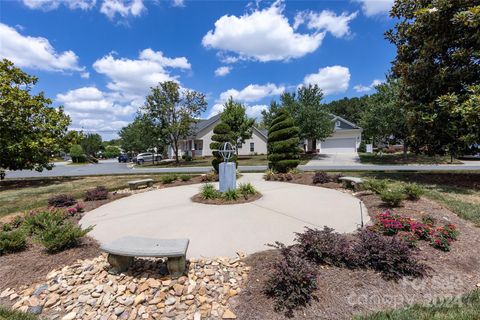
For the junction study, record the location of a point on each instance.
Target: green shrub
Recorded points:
(15, 315)
(209, 191)
(392, 197)
(185, 177)
(283, 140)
(269, 175)
(168, 179)
(230, 195)
(98, 193)
(60, 236)
(12, 241)
(77, 154)
(413, 191)
(210, 176)
(36, 222)
(246, 189)
(377, 186)
(221, 133)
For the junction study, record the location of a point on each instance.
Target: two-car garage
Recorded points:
(338, 145)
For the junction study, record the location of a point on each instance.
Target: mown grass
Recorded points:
(6, 314)
(20, 195)
(399, 158)
(466, 307)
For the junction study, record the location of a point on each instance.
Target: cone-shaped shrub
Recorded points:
(283, 139)
(221, 134)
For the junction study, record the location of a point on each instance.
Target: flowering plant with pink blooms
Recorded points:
(79, 206)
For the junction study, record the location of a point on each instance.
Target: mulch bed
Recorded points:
(220, 201)
(343, 293)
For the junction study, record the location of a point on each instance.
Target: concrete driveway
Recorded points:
(214, 230)
(340, 159)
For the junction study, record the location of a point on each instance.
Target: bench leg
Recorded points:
(176, 266)
(119, 263)
(149, 184)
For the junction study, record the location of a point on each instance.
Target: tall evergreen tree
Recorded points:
(283, 140)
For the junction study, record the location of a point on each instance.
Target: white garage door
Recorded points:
(343, 145)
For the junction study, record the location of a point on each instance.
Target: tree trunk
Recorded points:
(175, 150)
(405, 149)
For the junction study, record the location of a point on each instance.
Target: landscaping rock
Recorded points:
(85, 290)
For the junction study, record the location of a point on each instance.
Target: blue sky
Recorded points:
(98, 58)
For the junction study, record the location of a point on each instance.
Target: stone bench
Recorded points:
(133, 185)
(122, 251)
(352, 182)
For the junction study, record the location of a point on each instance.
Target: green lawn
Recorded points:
(466, 307)
(19, 195)
(458, 191)
(398, 158)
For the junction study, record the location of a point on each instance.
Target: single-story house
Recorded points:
(346, 138)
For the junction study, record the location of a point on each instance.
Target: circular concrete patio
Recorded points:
(214, 230)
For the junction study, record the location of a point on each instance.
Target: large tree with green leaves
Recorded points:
(140, 135)
(348, 108)
(241, 126)
(438, 52)
(269, 114)
(283, 140)
(174, 111)
(308, 113)
(30, 129)
(91, 144)
(384, 119)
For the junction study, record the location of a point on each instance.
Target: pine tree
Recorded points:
(283, 139)
(221, 134)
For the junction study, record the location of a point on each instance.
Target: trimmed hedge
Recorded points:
(221, 134)
(283, 140)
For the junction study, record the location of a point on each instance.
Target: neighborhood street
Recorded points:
(107, 167)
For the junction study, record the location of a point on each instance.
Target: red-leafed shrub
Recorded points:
(61, 201)
(98, 193)
(321, 177)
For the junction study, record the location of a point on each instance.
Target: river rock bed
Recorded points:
(85, 290)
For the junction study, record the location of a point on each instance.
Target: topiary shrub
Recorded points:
(221, 134)
(392, 198)
(61, 201)
(413, 191)
(325, 246)
(98, 193)
(283, 139)
(391, 256)
(292, 281)
(57, 237)
(12, 241)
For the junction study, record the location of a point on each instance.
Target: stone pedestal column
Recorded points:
(227, 176)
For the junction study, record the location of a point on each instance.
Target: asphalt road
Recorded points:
(108, 167)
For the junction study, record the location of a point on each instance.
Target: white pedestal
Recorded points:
(227, 176)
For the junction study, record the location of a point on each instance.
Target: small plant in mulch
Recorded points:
(413, 191)
(98, 193)
(208, 192)
(168, 179)
(230, 195)
(390, 224)
(392, 197)
(376, 186)
(271, 175)
(246, 189)
(211, 176)
(244, 193)
(61, 201)
(185, 177)
(321, 177)
(292, 281)
(12, 241)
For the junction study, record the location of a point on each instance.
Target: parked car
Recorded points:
(147, 157)
(123, 158)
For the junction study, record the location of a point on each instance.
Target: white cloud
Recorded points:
(252, 92)
(337, 25)
(85, 75)
(47, 5)
(222, 71)
(135, 77)
(374, 7)
(333, 79)
(263, 35)
(35, 52)
(254, 111)
(178, 3)
(122, 8)
(362, 88)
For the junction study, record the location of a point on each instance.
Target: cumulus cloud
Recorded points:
(363, 88)
(375, 7)
(178, 3)
(48, 5)
(252, 92)
(337, 25)
(136, 76)
(122, 8)
(35, 52)
(263, 35)
(222, 71)
(333, 79)
(254, 111)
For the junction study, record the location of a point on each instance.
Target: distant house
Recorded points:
(346, 138)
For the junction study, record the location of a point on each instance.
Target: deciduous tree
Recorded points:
(235, 116)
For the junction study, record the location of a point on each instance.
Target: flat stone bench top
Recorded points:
(140, 181)
(146, 247)
(352, 179)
